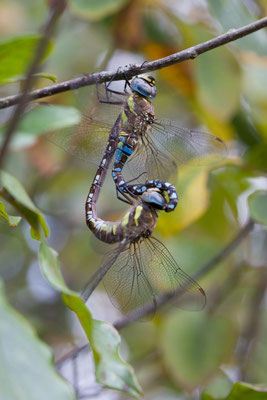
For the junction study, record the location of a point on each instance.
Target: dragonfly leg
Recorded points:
(107, 101)
(116, 92)
(127, 82)
(143, 63)
(112, 79)
(134, 179)
(125, 198)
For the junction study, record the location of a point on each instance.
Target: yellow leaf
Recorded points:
(178, 75)
(193, 201)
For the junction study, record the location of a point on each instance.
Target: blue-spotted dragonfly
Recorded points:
(151, 145)
(141, 269)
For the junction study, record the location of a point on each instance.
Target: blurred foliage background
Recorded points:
(178, 355)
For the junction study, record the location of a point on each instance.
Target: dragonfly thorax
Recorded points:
(138, 114)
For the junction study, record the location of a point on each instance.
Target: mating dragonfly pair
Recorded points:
(140, 269)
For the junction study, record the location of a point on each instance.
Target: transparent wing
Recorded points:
(185, 145)
(88, 139)
(151, 159)
(145, 271)
(166, 276)
(98, 276)
(127, 284)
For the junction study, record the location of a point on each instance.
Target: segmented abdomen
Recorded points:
(105, 231)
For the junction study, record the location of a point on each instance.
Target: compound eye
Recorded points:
(154, 199)
(151, 80)
(143, 86)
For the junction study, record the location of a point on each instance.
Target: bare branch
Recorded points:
(135, 69)
(24, 97)
(252, 325)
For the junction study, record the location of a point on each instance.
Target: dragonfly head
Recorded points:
(144, 85)
(154, 199)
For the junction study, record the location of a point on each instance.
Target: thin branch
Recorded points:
(251, 329)
(135, 315)
(139, 313)
(71, 354)
(135, 69)
(24, 97)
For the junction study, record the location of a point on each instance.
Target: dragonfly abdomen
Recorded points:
(103, 230)
(125, 148)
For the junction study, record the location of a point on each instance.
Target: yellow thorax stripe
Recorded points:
(137, 214)
(131, 103)
(125, 220)
(124, 117)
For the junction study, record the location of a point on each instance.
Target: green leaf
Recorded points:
(12, 220)
(26, 368)
(46, 118)
(45, 75)
(49, 263)
(257, 203)
(201, 352)
(15, 194)
(110, 370)
(95, 9)
(246, 391)
(52, 78)
(233, 14)
(221, 97)
(232, 181)
(206, 396)
(16, 53)
(217, 388)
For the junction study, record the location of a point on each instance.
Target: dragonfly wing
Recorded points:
(150, 158)
(99, 275)
(136, 274)
(126, 282)
(166, 276)
(185, 145)
(86, 140)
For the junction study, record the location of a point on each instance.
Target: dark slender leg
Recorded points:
(108, 101)
(126, 198)
(127, 82)
(139, 176)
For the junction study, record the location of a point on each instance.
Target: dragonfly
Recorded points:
(141, 269)
(111, 232)
(152, 146)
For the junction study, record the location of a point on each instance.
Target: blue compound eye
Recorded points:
(154, 199)
(144, 86)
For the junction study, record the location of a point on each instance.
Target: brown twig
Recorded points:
(135, 69)
(135, 315)
(24, 97)
(251, 328)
